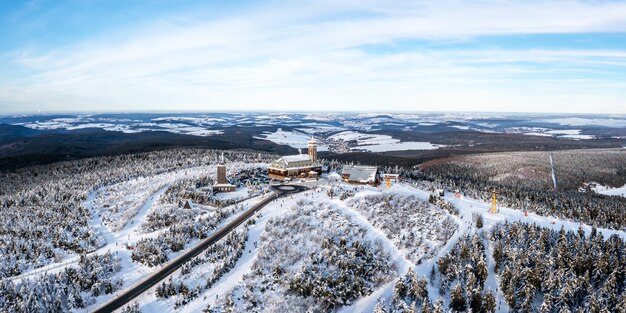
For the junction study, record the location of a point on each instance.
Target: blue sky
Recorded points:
(512, 56)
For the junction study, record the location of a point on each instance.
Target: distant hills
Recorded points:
(366, 138)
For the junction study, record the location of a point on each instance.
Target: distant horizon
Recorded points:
(303, 112)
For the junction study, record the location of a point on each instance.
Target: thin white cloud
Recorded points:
(309, 56)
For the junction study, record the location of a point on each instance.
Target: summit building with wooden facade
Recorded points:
(299, 165)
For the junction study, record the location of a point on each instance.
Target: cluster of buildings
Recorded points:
(300, 165)
(307, 165)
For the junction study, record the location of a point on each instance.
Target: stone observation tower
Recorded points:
(222, 184)
(312, 149)
(221, 173)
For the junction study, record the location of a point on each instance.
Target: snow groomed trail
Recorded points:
(244, 264)
(467, 207)
(112, 241)
(368, 303)
(173, 265)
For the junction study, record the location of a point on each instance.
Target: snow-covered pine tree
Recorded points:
(457, 300)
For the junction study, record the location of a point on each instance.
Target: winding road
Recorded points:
(169, 268)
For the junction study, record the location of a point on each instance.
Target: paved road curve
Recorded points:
(172, 266)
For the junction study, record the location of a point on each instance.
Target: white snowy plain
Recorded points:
(294, 139)
(380, 143)
(619, 191)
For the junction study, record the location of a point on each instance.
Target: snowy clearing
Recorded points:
(619, 191)
(294, 139)
(380, 143)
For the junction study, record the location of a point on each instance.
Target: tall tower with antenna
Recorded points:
(312, 149)
(222, 184)
(221, 171)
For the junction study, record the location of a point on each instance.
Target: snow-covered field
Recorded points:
(619, 191)
(616, 121)
(293, 139)
(177, 125)
(416, 227)
(569, 133)
(542, 131)
(208, 124)
(380, 143)
(311, 258)
(316, 128)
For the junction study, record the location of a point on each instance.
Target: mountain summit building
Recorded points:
(297, 165)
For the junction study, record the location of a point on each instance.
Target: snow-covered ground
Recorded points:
(569, 134)
(619, 191)
(141, 196)
(117, 215)
(239, 194)
(467, 208)
(118, 204)
(178, 125)
(616, 121)
(133, 272)
(316, 128)
(294, 139)
(415, 226)
(208, 124)
(547, 132)
(380, 143)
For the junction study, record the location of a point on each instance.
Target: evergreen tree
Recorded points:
(479, 221)
(438, 307)
(457, 300)
(546, 305)
(489, 302)
(427, 307)
(565, 309)
(400, 289)
(380, 307)
(132, 308)
(622, 302)
(593, 306)
(476, 301)
(481, 271)
(419, 292)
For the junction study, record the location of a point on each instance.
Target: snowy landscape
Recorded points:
(407, 156)
(336, 247)
(345, 126)
(336, 132)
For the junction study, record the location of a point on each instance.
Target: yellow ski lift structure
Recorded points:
(494, 202)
